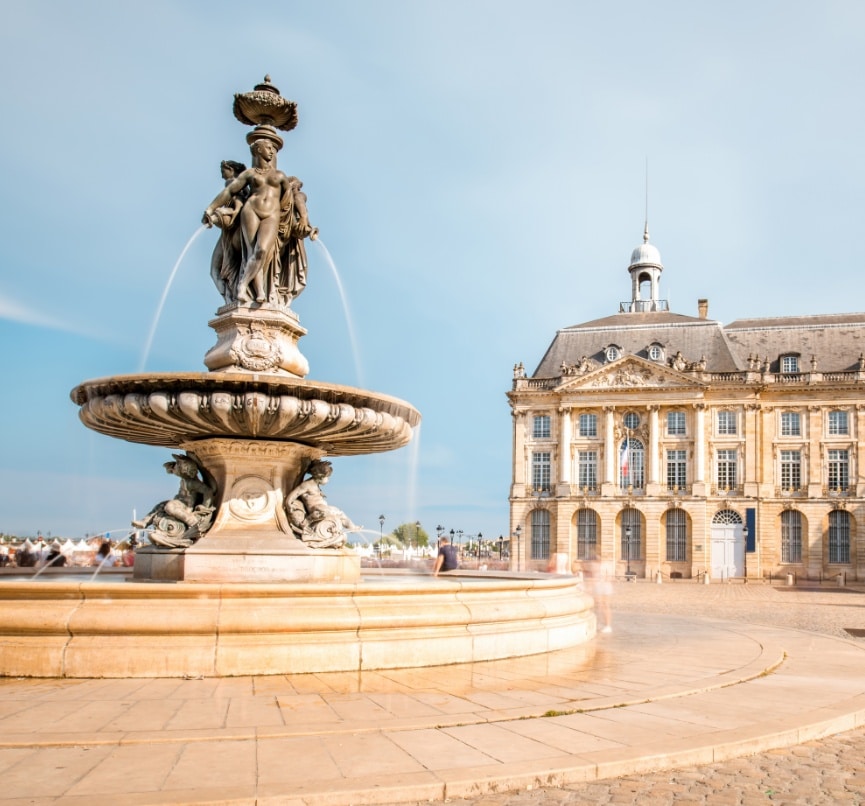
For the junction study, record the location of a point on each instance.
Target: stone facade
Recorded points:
(657, 442)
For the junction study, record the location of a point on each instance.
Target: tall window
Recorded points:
(791, 536)
(839, 470)
(790, 424)
(632, 535)
(631, 464)
(677, 470)
(789, 363)
(676, 423)
(587, 534)
(791, 470)
(839, 536)
(587, 469)
(541, 426)
(541, 470)
(677, 536)
(540, 534)
(726, 422)
(838, 422)
(727, 470)
(588, 425)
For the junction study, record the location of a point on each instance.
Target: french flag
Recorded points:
(624, 460)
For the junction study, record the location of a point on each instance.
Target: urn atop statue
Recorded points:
(264, 106)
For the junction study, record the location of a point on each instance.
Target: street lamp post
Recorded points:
(501, 542)
(380, 533)
(628, 545)
(517, 534)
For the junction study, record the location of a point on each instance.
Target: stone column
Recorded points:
(564, 451)
(609, 452)
(752, 477)
(518, 489)
(699, 449)
(653, 486)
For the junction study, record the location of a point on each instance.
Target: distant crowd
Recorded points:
(41, 554)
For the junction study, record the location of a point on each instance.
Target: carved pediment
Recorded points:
(630, 373)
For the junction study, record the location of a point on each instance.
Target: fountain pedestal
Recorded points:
(256, 340)
(251, 539)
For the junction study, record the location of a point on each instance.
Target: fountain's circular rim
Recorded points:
(173, 409)
(303, 388)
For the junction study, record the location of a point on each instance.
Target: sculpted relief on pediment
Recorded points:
(631, 374)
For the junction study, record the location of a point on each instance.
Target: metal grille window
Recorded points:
(790, 424)
(726, 422)
(540, 534)
(587, 534)
(588, 425)
(677, 536)
(791, 536)
(541, 470)
(839, 536)
(839, 470)
(587, 469)
(727, 470)
(676, 423)
(632, 535)
(541, 426)
(838, 422)
(791, 470)
(677, 470)
(632, 464)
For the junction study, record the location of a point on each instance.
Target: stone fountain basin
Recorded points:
(170, 409)
(106, 629)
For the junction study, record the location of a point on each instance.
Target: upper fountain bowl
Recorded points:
(171, 409)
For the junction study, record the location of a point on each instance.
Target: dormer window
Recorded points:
(789, 363)
(612, 353)
(656, 352)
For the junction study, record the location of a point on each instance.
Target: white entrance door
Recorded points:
(728, 550)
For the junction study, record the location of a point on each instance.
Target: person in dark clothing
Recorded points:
(447, 559)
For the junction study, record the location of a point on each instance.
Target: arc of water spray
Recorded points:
(149, 343)
(346, 310)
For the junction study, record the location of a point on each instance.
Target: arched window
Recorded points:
(677, 536)
(839, 536)
(727, 516)
(632, 535)
(540, 534)
(587, 534)
(791, 536)
(632, 464)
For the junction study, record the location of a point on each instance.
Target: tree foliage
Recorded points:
(411, 534)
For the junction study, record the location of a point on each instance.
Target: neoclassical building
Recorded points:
(672, 443)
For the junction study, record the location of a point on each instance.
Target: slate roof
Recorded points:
(634, 333)
(835, 340)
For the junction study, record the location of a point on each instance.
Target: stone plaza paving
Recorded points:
(719, 694)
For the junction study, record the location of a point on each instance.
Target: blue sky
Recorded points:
(477, 172)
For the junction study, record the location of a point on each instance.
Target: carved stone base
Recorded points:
(259, 340)
(251, 539)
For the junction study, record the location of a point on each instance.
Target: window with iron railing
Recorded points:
(839, 536)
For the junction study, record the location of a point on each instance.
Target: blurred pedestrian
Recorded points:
(447, 559)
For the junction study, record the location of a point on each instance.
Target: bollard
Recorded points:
(789, 580)
(706, 578)
(842, 579)
(658, 578)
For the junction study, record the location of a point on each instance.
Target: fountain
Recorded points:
(248, 571)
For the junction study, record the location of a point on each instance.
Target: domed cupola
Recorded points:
(645, 268)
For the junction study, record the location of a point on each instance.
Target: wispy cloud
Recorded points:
(16, 312)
